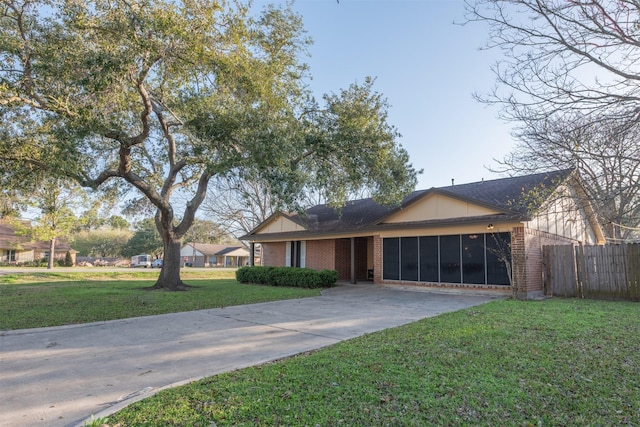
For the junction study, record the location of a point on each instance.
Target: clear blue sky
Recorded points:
(428, 69)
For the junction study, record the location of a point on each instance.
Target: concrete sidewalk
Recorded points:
(63, 375)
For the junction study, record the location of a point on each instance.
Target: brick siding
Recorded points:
(274, 254)
(533, 241)
(518, 261)
(377, 260)
(321, 254)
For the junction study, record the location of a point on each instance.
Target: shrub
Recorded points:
(68, 261)
(287, 276)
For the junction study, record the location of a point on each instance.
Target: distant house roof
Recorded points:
(211, 249)
(510, 197)
(234, 251)
(10, 240)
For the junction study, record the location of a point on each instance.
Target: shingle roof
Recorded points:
(506, 195)
(238, 250)
(10, 240)
(510, 193)
(214, 249)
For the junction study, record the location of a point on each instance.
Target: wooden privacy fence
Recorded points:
(596, 272)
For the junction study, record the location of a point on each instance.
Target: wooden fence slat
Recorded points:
(602, 272)
(632, 266)
(581, 271)
(559, 270)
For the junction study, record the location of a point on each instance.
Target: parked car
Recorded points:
(156, 263)
(143, 260)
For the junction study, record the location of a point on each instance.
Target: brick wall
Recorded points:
(533, 241)
(526, 259)
(377, 260)
(274, 254)
(518, 261)
(321, 254)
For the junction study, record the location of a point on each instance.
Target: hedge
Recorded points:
(287, 276)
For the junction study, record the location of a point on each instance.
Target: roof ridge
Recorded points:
(505, 178)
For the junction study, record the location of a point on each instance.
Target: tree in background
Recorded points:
(563, 57)
(607, 159)
(239, 204)
(55, 201)
(103, 242)
(204, 231)
(11, 203)
(118, 223)
(162, 96)
(145, 240)
(99, 233)
(568, 78)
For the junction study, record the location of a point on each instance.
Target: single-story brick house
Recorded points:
(19, 249)
(456, 236)
(213, 255)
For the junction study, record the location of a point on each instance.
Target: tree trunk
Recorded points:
(52, 252)
(169, 278)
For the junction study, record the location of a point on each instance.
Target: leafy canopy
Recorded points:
(161, 96)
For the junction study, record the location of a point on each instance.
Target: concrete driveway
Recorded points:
(62, 376)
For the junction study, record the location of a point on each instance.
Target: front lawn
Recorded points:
(30, 300)
(556, 362)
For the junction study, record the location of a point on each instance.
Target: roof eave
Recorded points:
(377, 228)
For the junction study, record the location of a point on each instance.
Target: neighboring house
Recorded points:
(456, 236)
(19, 249)
(212, 255)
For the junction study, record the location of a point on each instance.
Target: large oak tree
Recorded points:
(162, 96)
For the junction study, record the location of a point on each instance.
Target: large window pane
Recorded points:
(473, 258)
(391, 259)
(409, 258)
(498, 255)
(450, 259)
(429, 259)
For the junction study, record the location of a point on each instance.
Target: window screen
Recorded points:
(429, 259)
(391, 259)
(498, 255)
(409, 258)
(473, 258)
(450, 259)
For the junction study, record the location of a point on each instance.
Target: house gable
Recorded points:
(189, 250)
(233, 251)
(436, 206)
(279, 224)
(568, 213)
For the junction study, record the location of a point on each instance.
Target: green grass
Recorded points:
(41, 299)
(557, 362)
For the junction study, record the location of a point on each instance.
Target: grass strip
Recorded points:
(557, 362)
(53, 299)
